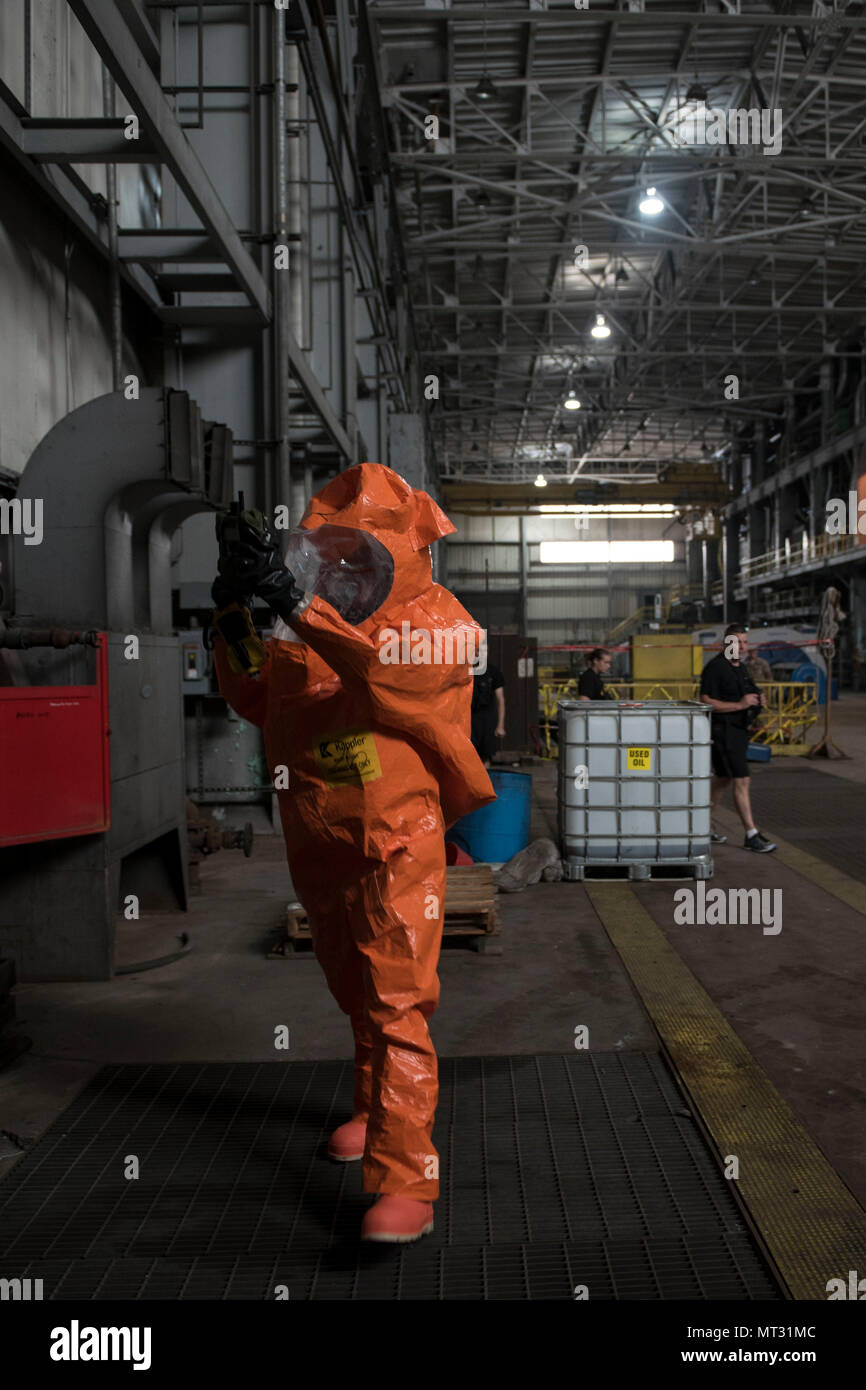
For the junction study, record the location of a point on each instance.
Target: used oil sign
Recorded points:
(639, 759)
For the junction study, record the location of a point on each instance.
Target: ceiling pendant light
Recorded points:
(540, 480)
(485, 89)
(572, 403)
(651, 204)
(600, 328)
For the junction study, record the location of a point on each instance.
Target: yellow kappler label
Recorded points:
(346, 758)
(639, 759)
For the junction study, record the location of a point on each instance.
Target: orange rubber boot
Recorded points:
(347, 1142)
(397, 1220)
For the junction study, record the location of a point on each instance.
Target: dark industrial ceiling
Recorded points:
(755, 268)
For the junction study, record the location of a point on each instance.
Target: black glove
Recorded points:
(248, 552)
(278, 589)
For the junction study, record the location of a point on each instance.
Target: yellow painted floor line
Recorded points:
(842, 886)
(811, 1223)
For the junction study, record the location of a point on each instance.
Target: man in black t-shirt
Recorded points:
(735, 700)
(591, 685)
(488, 711)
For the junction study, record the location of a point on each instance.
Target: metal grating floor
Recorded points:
(556, 1171)
(814, 811)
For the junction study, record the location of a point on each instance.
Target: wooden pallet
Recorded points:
(471, 911)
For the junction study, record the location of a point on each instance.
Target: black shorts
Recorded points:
(730, 751)
(485, 743)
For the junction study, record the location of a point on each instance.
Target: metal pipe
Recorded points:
(365, 266)
(298, 242)
(200, 65)
(307, 340)
(28, 55)
(705, 576)
(524, 597)
(116, 307)
(23, 638)
(282, 459)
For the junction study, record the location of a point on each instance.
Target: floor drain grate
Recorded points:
(557, 1171)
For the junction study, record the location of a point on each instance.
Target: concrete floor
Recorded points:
(848, 732)
(795, 999)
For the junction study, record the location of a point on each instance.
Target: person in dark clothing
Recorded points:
(591, 683)
(735, 701)
(488, 712)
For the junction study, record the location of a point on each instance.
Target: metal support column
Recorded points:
(282, 458)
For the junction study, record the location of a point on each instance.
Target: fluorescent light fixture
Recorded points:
(606, 552)
(572, 403)
(651, 204)
(541, 481)
(600, 328)
(659, 509)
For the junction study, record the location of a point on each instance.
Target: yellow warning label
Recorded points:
(347, 758)
(639, 759)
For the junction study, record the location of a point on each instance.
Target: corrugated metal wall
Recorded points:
(564, 603)
(55, 352)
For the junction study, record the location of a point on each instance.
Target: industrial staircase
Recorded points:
(643, 616)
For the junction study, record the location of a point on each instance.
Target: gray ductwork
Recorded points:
(115, 478)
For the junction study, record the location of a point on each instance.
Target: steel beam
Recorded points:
(209, 315)
(133, 12)
(817, 458)
(316, 397)
(65, 190)
(499, 15)
(87, 141)
(146, 244)
(110, 36)
(588, 305)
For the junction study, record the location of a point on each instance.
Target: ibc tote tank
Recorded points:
(646, 801)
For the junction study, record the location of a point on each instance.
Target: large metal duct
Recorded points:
(116, 478)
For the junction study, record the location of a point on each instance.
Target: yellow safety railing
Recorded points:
(629, 624)
(791, 709)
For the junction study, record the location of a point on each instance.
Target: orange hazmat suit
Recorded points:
(371, 719)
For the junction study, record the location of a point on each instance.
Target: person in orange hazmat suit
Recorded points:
(374, 733)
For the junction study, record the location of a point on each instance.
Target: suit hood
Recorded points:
(388, 557)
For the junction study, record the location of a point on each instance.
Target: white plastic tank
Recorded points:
(634, 785)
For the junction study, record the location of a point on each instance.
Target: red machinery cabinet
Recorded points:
(54, 765)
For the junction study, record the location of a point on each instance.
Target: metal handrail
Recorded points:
(792, 556)
(622, 628)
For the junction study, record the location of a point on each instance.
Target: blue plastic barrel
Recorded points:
(493, 834)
